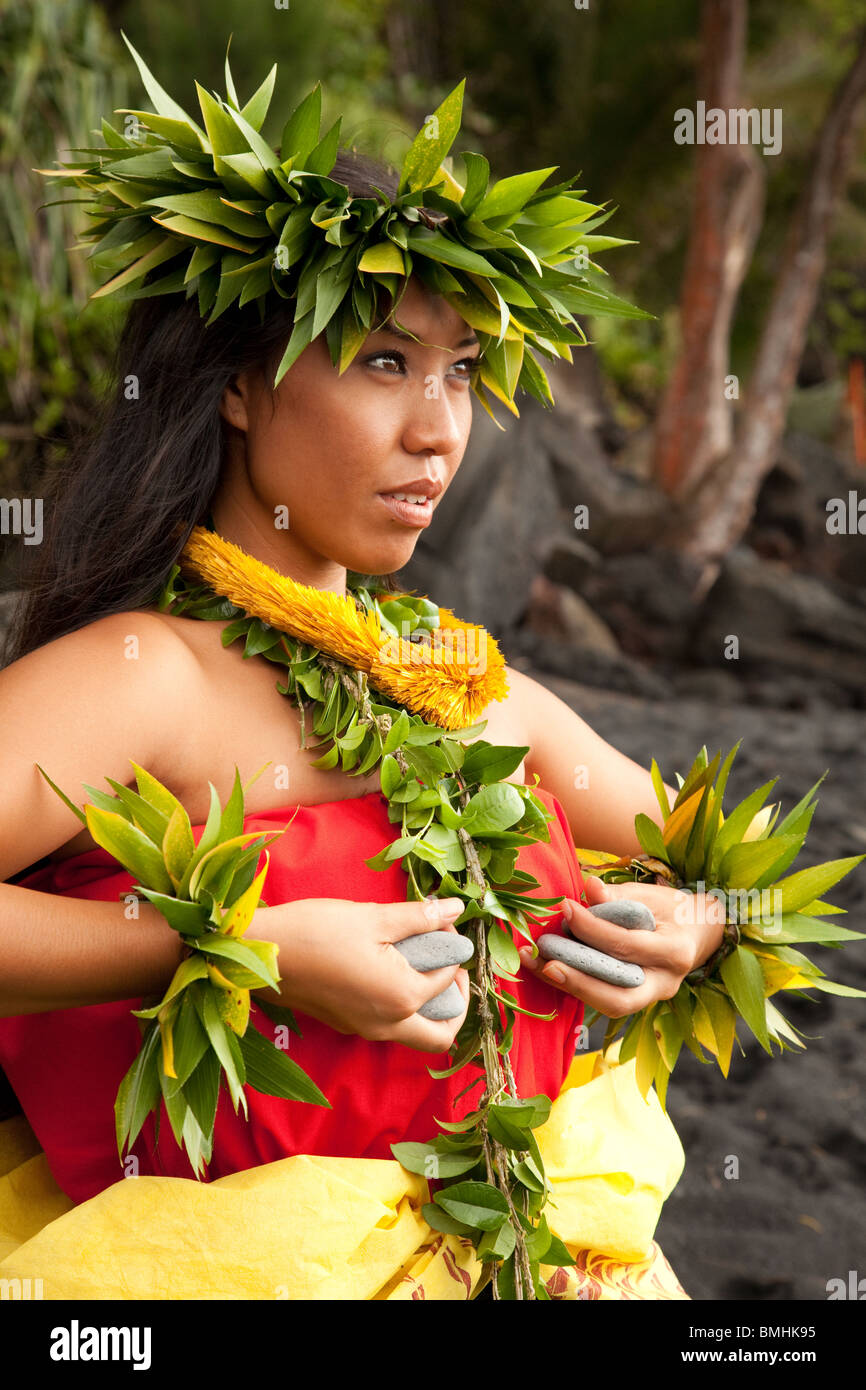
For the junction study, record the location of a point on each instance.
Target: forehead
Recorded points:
(423, 312)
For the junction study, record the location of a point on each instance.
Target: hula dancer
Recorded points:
(301, 926)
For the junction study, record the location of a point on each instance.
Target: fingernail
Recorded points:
(565, 909)
(555, 976)
(444, 909)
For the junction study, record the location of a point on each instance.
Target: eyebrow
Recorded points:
(399, 333)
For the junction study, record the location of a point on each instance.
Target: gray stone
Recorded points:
(449, 1004)
(435, 949)
(590, 961)
(625, 912)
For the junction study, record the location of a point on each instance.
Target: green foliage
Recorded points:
(213, 210)
(199, 1030)
(459, 830)
(741, 859)
(60, 71)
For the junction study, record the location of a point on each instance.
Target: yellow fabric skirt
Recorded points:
(347, 1228)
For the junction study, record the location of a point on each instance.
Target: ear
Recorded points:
(234, 402)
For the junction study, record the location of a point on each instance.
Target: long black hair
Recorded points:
(121, 504)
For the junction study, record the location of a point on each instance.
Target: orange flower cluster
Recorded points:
(448, 680)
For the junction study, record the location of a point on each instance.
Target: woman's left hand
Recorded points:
(688, 931)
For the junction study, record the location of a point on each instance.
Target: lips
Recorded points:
(418, 514)
(412, 503)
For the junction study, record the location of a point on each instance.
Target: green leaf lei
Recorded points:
(461, 828)
(211, 210)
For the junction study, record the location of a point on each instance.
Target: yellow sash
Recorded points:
(347, 1228)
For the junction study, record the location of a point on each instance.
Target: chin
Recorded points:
(381, 558)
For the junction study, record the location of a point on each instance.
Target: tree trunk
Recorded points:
(722, 509)
(693, 428)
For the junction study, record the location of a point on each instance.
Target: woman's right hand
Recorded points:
(338, 964)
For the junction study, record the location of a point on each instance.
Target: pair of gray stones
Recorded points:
(436, 949)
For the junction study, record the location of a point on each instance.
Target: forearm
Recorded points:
(602, 815)
(62, 953)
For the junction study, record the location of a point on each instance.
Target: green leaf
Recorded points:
(256, 109)
(185, 917)
(798, 890)
(497, 1245)
(192, 968)
(190, 1044)
(220, 857)
(486, 762)
(432, 143)
(272, 1072)
(659, 786)
(220, 1039)
(178, 845)
(397, 733)
(419, 1158)
(259, 957)
(321, 159)
(830, 987)
(383, 258)
(790, 823)
(738, 822)
(138, 1093)
(477, 1204)
(793, 927)
(494, 808)
(76, 810)
(301, 131)
(745, 863)
(439, 1220)
(507, 197)
(650, 837)
(741, 973)
(131, 847)
(477, 175)
(449, 252)
(201, 1091)
(646, 1053)
(502, 949)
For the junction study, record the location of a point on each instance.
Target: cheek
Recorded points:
(323, 443)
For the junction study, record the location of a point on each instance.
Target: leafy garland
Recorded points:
(741, 859)
(213, 211)
(461, 829)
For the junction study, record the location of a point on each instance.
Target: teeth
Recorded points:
(405, 497)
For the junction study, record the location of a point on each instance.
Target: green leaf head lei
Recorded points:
(213, 210)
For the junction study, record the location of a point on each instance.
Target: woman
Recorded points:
(357, 463)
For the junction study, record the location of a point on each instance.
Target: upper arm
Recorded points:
(600, 789)
(82, 706)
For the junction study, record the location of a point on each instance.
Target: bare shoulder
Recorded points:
(82, 707)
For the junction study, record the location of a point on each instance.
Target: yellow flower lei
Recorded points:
(449, 680)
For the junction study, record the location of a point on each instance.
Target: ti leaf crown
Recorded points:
(213, 210)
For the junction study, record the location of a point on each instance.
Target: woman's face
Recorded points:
(337, 450)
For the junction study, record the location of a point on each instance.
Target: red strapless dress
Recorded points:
(65, 1066)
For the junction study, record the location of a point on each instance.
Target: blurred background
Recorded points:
(679, 548)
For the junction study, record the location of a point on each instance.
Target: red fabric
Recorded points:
(65, 1066)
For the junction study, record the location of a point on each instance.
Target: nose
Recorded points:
(433, 424)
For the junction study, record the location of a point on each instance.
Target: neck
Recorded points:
(258, 536)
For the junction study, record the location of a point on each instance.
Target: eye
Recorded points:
(393, 356)
(471, 365)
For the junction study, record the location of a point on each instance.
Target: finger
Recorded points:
(638, 946)
(433, 982)
(409, 919)
(597, 891)
(614, 1001)
(425, 1035)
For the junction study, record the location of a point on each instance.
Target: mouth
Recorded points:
(411, 508)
